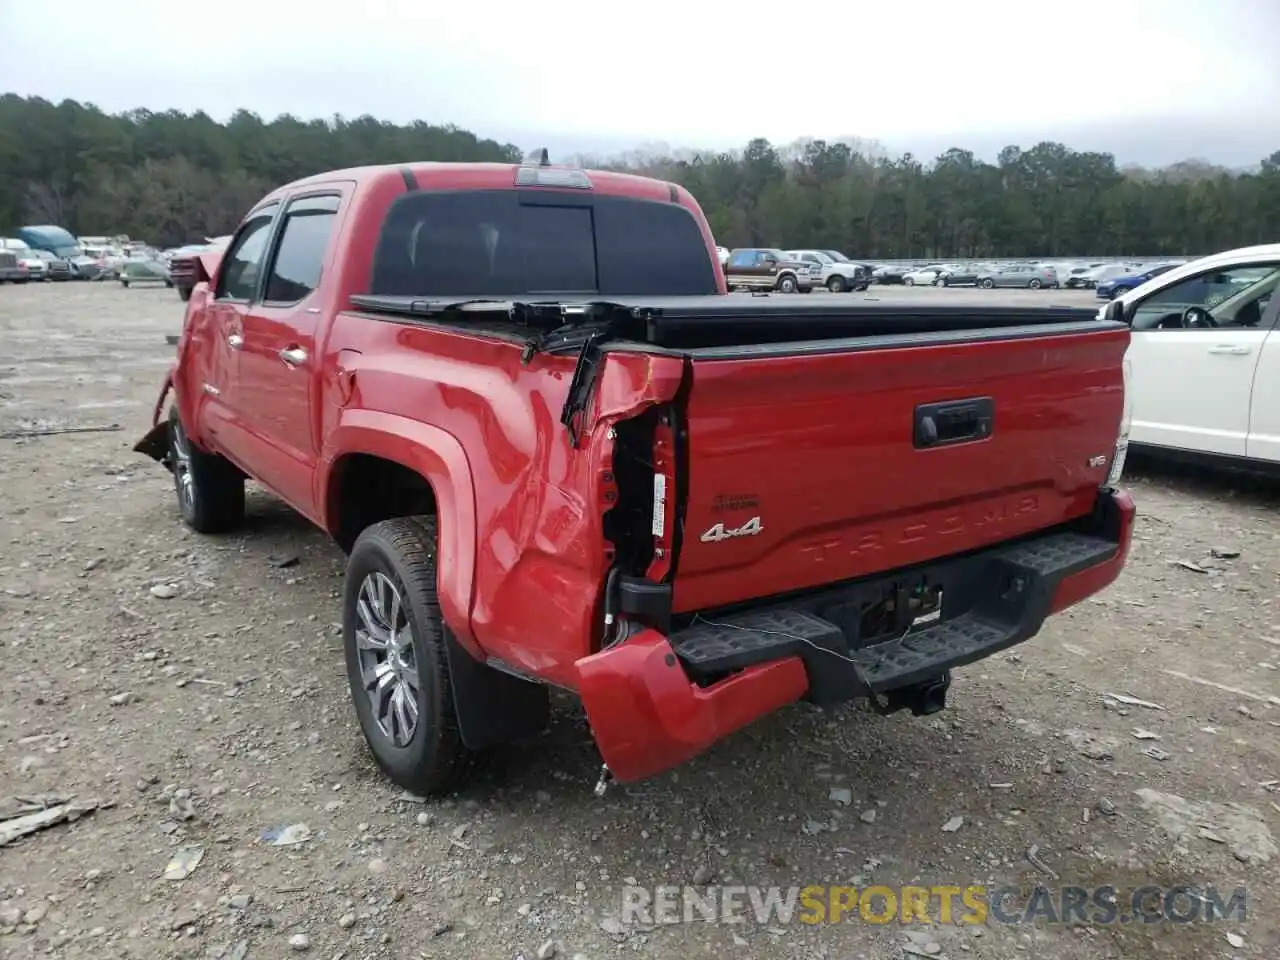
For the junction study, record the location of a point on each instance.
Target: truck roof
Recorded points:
(488, 176)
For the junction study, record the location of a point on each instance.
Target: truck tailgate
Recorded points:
(805, 469)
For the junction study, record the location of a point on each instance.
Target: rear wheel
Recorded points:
(184, 294)
(836, 284)
(397, 660)
(908, 281)
(210, 490)
(787, 284)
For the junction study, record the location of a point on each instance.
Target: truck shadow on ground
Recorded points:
(1201, 481)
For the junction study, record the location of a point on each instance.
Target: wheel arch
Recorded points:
(377, 466)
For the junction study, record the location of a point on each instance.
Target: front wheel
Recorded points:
(988, 283)
(397, 662)
(909, 282)
(1035, 283)
(210, 490)
(184, 294)
(836, 284)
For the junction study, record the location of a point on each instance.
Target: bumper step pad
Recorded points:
(1008, 592)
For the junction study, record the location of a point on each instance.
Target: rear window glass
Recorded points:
(489, 242)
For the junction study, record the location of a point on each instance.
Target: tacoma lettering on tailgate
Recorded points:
(943, 524)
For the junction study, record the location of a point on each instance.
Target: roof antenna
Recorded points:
(540, 157)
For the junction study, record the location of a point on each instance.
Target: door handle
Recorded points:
(1227, 349)
(293, 356)
(235, 341)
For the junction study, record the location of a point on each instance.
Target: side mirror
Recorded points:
(1114, 312)
(772, 261)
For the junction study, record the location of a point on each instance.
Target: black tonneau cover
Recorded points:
(720, 320)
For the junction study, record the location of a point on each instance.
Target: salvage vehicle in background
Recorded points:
(825, 270)
(888, 274)
(195, 263)
(924, 276)
(144, 269)
(57, 240)
(1032, 276)
(37, 269)
(508, 391)
(55, 268)
(1112, 288)
(961, 275)
(863, 270)
(1205, 356)
(753, 268)
(11, 271)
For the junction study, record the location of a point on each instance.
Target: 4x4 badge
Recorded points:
(720, 532)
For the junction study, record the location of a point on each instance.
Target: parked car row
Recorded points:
(52, 253)
(1032, 275)
(792, 271)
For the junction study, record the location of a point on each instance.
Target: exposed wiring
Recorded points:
(857, 667)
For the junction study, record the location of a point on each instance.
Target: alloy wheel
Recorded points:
(388, 659)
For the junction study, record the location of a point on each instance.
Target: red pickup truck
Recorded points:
(558, 454)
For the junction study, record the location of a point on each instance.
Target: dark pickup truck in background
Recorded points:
(557, 453)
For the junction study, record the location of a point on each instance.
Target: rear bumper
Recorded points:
(655, 701)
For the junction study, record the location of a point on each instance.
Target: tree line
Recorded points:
(170, 177)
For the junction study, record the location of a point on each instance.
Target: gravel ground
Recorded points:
(195, 688)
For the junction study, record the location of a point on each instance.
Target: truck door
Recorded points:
(280, 364)
(1194, 355)
(218, 331)
(1264, 407)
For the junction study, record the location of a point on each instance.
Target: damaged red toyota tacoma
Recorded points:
(558, 454)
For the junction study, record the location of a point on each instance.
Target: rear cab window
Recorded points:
(304, 240)
(520, 242)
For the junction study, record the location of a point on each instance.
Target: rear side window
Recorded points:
(518, 243)
(304, 238)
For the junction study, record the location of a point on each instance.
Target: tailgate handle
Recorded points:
(955, 421)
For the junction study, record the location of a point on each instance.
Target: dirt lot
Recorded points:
(195, 688)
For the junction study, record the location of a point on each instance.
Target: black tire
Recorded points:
(434, 759)
(836, 284)
(1035, 283)
(908, 282)
(168, 283)
(787, 284)
(124, 282)
(184, 294)
(988, 283)
(213, 499)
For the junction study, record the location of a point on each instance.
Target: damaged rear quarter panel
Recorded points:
(540, 552)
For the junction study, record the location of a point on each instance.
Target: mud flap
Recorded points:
(493, 706)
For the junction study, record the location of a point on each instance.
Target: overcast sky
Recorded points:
(1150, 80)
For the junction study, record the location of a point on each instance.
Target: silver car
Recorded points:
(1034, 276)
